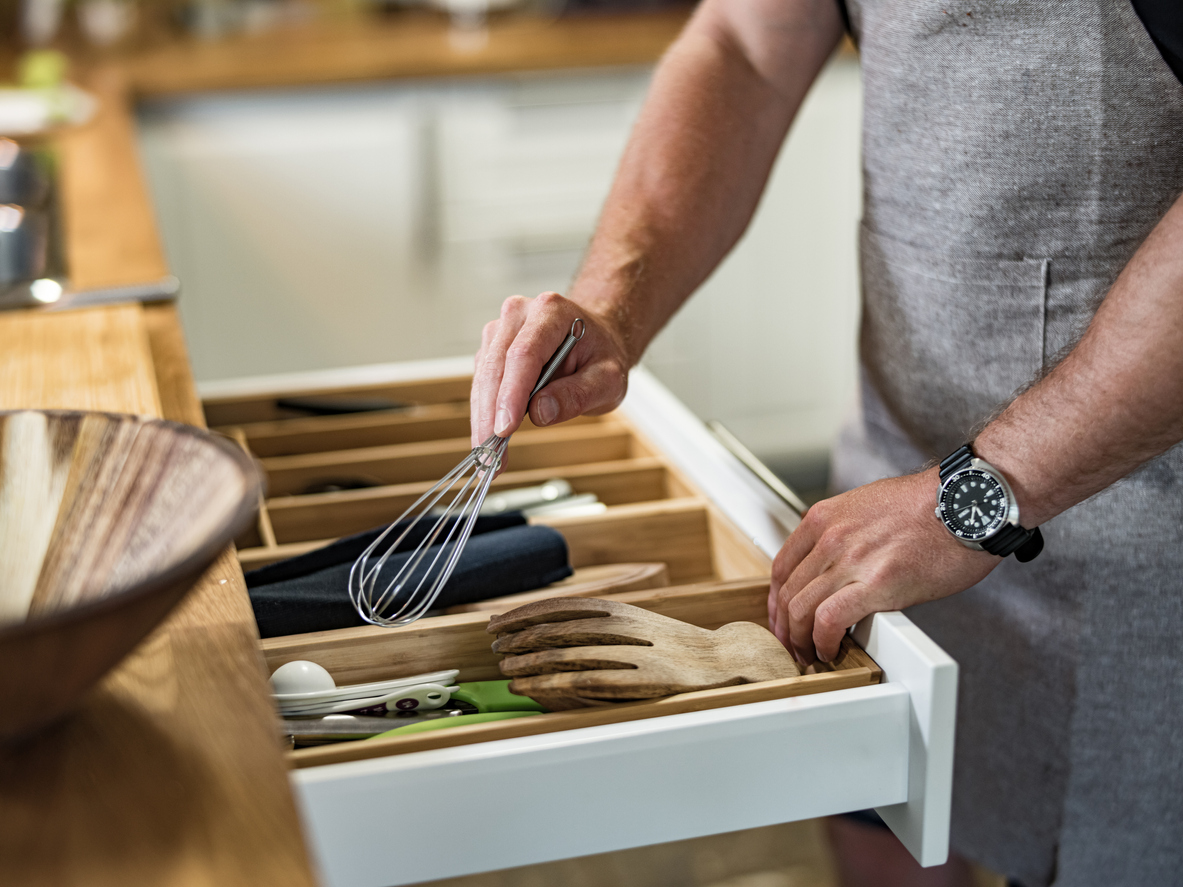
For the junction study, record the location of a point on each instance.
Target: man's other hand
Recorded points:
(878, 547)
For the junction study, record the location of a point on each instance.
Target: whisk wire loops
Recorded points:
(417, 583)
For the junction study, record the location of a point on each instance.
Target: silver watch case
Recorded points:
(1012, 505)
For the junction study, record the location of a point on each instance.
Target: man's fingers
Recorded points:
(798, 545)
(479, 382)
(836, 614)
(809, 585)
(593, 389)
(488, 376)
(548, 322)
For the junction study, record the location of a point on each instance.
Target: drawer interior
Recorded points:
(332, 475)
(356, 655)
(380, 461)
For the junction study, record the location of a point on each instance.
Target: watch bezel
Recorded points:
(978, 466)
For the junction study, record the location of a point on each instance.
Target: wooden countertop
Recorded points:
(171, 772)
(411, 45)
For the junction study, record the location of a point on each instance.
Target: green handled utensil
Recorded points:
(458, 721)
(492, 700)
(486, 696)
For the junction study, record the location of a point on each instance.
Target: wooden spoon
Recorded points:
(584, 582)
(572, 652)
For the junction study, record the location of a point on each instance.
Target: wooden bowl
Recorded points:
(105, 522)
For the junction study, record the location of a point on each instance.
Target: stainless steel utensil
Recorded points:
(758, 468)
(342, 727)
(412, 590)
(22, 179)
(24, 243)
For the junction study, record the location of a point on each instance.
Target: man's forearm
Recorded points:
(699, 157)
(1114, 402)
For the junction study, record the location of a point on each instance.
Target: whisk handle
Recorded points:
(577, 330)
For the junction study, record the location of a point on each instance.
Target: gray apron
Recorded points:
(1015, 156)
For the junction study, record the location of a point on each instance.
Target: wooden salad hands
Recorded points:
(574, 652)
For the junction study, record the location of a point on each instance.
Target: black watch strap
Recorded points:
(1024, 544)
(955, 461)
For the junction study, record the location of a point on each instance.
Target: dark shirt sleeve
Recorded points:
(1163, 20)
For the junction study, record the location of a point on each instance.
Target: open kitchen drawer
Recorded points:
(876, 730)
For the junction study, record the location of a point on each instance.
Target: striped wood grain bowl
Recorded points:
(105, 522)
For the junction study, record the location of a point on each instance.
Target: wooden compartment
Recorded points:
(653, 515)
(357, 655)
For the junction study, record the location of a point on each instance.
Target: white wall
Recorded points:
(330, 227)
(767, 345)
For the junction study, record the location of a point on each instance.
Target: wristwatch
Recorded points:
(976, 505)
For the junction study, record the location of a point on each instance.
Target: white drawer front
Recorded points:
(515, 802)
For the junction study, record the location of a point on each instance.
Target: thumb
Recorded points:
(591, 390)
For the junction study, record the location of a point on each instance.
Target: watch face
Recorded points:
(973, 504)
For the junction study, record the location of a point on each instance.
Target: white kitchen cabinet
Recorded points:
(293, 222)
(768, 343)
(328, 227)
(522, 167)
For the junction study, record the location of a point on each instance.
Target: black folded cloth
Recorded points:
(310, 592)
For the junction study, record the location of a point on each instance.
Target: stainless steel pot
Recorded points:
(24, 244)
(23, 182)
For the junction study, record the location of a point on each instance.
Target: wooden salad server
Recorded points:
(584, 582)
(574, 652)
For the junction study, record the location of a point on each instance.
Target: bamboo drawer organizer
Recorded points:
(715, 574)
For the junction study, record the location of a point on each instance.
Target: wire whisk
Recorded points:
(438, 532)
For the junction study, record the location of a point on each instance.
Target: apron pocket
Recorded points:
(947, 341)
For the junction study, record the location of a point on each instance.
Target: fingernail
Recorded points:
(547, 408)
(501, 423)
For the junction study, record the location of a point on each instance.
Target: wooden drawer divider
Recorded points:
(363, 654)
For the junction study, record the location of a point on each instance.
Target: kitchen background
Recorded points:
(326, 227)
(332, 226)
(320, 227)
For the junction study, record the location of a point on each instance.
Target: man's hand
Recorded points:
(878, 547)
(515, 348)
(718, 108)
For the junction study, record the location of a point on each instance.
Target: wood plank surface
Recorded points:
(546, 448)
(289, 437)
(409, 45)
(90, 359)
(584, 582)
(170, 772)
(369, 653)
(110, 226)
(326, 515)
(672, 531)
(240, 409)
(356, 655)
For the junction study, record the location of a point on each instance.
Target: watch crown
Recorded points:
(937, 512)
